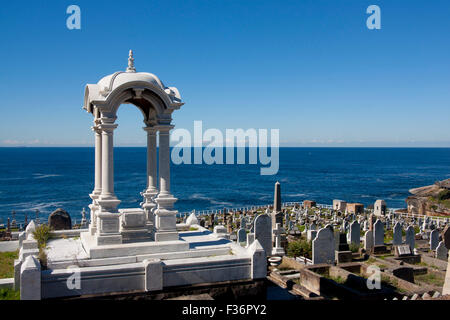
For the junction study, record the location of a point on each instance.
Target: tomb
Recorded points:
(137, 249)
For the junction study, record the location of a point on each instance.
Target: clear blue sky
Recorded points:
(309, 68)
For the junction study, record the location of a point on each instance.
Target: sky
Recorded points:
(311, 69)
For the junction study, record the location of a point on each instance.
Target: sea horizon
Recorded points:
(47, 178)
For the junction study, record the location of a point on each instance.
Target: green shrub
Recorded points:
(41, 235)
(9, 294)
(443, 195)
(353, 247)
(299, 248)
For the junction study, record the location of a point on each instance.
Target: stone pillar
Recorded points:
(108, 216)
(165, 220)
(277, 198)
(30, 279)
(149, 194)
(98, 180)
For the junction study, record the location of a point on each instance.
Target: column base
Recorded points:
(92, 229)
(108, 228)
(165, 218)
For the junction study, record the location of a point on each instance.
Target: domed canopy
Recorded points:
(131, 87)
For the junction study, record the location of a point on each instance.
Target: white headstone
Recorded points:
(368, 240)
(355, 232)
(323, 247)
(397, 235)
(241, 236)
(409, 237)
(434, 239)
(192, 219)
(441, 251)
(263, 232)
(378, 228)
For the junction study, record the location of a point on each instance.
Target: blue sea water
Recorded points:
(49, 178)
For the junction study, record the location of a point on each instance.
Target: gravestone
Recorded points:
(368, 241)
(355, 232)
(59, 220)
(83, 219)
(323, 247)
(220, 231)
(378, 234)
(244, 223)
(441, 251)
(263, 232)
(341, 242)
(446, 236)
(192, 219)
(397, 235)
(403, 250)
(241, 236)
(410, 237)
(434, 239)
(278, 249)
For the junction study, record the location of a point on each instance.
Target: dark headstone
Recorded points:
(446, 236)
(341, 242)
(405, 273)
(59, 220)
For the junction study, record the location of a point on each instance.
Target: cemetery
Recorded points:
(313, 252)
(305, 249)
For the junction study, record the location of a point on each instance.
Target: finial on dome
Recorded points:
(131, 67)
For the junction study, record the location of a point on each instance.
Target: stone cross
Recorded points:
(278, 250)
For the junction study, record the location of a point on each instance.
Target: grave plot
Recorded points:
(334, 282)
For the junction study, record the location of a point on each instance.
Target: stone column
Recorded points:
(165, 220)
(108, 216)
(98, 179)
(149, 194)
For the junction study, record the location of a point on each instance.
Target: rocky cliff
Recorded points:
(430, 200)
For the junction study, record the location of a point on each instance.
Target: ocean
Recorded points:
(49, 178)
